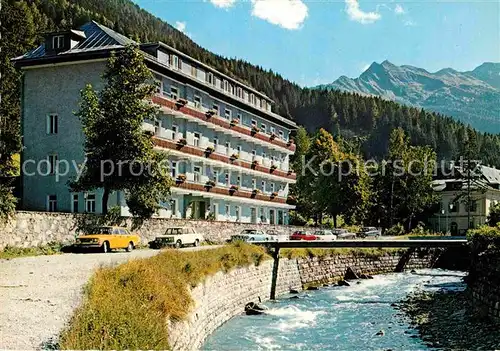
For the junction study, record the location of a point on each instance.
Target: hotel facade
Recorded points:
(229, 153)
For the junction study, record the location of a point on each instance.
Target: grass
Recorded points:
(321, 253)
(10, 252)
(128, 306)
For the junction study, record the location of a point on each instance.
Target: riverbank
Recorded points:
(445, 320)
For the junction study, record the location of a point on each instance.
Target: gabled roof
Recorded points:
(492, 175)
(97, 37)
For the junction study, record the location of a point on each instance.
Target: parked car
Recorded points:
(177, 237)
(325, 235)
(369, 232)
(343, 233)
(276, 236)
(302, 235)
(252, 235)
(108, 238)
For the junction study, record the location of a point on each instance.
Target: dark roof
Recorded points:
(485, 177)
(97, 37)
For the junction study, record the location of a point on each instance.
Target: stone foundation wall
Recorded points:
(29, 229)
(329, 269)
(224, 296)
(484, 284)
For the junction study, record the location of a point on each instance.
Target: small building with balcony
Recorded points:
(229, 153)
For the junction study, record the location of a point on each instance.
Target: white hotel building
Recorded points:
(229, 152)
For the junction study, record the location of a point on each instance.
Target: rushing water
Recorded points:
(336, 318)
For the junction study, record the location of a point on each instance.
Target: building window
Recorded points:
(58, 42)
(238, 181)
(272, 187)
(228, 179)
(197, 101)
(157, 127)
(215, 107)
(280, 217)
(239, 92)
(254, 123)
(252, 98)
(197, 174)
(282, 136)
(263, 154)
(216, 141)
(254, 153)
(254, 183)
(472, 206)
(174, 93)
(273, 130)
(454, 207)
(226, 85)
(210, 78)
(196, 139)
(263, 186)
(52, 123)
(173, 169)
(175, 61)
(74, 203)
(193, 71)
(175, 128)
(262, 215)
(263, 128)
(227, 113)
(90, 203)
(238, 148)
(228, 210)
(228, 145)
(52, 163)
(52, 203)
(237, 213)
(238, 117)
(216, 176)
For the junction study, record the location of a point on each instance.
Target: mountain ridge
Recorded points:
(472, 97)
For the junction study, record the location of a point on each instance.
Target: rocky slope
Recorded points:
(472, 97)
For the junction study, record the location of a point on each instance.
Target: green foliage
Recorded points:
(120, 155)
(52, 248)
(7, 202)
(494, 215)
(126, 307)
(395, 230)
(484, 238)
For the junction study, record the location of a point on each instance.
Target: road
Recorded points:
(38, 294)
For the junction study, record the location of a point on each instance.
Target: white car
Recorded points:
(325, 235)
(252, 235)
(178, 237)
(275, 236)
(343, 234)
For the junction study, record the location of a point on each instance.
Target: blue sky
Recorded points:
(314, 42)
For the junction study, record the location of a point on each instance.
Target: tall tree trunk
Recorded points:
(335, 220)
(105, 198)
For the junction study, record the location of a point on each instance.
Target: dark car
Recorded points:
(369, 232)
(302, 235)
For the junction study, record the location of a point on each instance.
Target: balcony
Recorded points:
(221, 154)
(221, 122)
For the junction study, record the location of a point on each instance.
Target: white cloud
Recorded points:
(223, 4)
(180, 26)
(356, 14)
(289, 14)
(399, 10)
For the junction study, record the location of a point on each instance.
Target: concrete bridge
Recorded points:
(359, 243)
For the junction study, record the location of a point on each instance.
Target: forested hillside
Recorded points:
(367, 119)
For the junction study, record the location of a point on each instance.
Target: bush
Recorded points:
(126, 307)
(484, 238)
(395, 230)
(51, 248)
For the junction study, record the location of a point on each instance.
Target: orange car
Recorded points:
(107, 239)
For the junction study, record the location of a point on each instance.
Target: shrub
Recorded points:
(395, 230)
(127, 307)
(484, 238)
(51, 248)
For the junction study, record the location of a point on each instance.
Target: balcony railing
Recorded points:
(226, 190)
(217, 120)
(222, 156)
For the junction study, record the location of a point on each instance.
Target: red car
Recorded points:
(302, 235)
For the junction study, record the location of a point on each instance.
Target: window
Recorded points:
(216, 176)
(252, 98)
(52, 123)
(238, 148)
(216, 141)
(280, 217)
(74, 203)
(197, 101)
(228, 210)
(472, 206)
(228, 145)
(90, 203)
(58, 42)
(263, 186)
(175, 61)
(454, 207)
(254, 153)
(262, 216)
(228, 179)
(238, 117)
(238, 181)
(52, 203)
(173, 169)
(196, 139)
(225, 85)
(157, 127)
(272, 187)
(263, 128)
(254, 123)
(52, 163)
(239, 92)
(232, 88)
(254, 183)
(282, 136)
(210, 78)
(215, 107)
(227, 113)
(193, 71)
(175, 128)
(197, 174)
(263, 154)
(273, 130)
(174, 93)
(237, 213)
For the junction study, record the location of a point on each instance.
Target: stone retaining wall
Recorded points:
(30, 229)
(224, 296)
(484, 284)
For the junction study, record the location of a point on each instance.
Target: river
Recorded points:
(336, 318)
